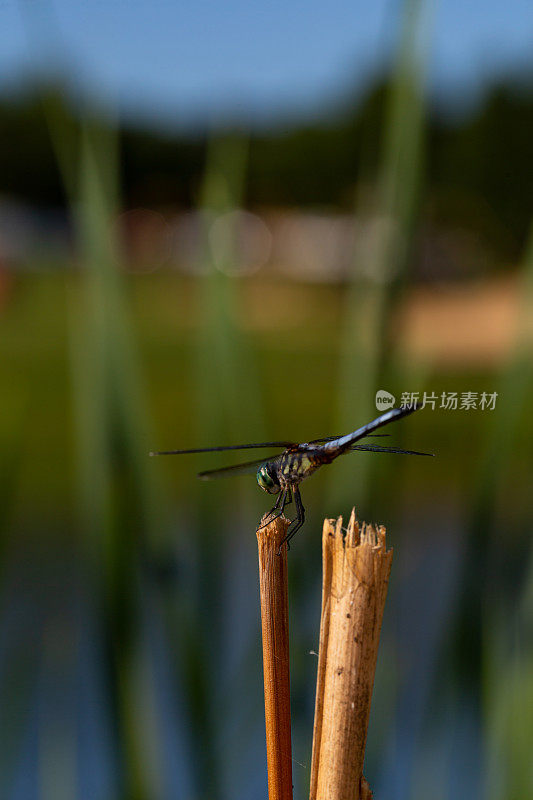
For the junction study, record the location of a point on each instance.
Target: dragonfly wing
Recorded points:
(220, 449)
(332, 438)
(247, 468)
(375, 448)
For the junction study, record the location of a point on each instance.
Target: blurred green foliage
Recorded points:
(166, 311)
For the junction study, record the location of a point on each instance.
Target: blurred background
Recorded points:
(238, 222)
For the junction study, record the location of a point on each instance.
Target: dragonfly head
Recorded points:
(267, 479)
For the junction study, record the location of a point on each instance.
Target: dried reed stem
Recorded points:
(275, 630)
(355, 579)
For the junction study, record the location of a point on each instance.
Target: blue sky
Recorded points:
(184, 61)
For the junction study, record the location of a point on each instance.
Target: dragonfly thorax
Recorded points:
(268, 479)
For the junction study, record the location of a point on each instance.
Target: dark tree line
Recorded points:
(479, 168)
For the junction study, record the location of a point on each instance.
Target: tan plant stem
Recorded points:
(356, 570)
(275, 632)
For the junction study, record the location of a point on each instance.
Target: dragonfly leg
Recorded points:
(297, 523)
(285, 498)
(281, 501)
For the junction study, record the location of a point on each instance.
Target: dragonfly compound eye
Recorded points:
(266, 481)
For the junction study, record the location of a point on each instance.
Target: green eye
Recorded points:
(266, 482)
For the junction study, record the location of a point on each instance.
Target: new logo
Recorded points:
(384, 400)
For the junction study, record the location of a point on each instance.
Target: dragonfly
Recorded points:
(282, 474)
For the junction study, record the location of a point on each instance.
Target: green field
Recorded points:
(293, 334)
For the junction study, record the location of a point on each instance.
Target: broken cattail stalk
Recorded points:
(356, 570)
(275, 630)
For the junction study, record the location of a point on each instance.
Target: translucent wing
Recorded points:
(375, 448)
(332, 438)
(219, 449)
(247, 468)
